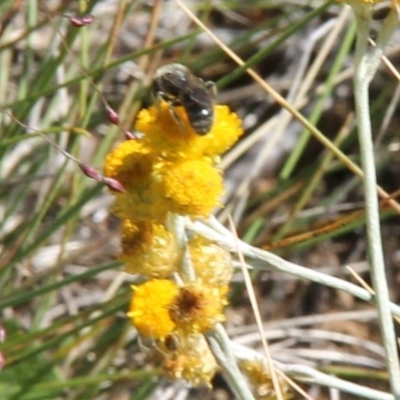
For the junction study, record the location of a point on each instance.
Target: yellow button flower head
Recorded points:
(226, 130)
(192, 361)
(197, 307)
(149, 308)
(130, 163)
(143, 203)
(171, 170)
(212, 264)
(262, 383)
(193, 187)
(173, 136)
(148, 249)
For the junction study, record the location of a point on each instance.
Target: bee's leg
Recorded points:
(158, 97)
(176, 118)
(171, 107)
(211, 88)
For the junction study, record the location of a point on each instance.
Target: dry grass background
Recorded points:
(62, 296)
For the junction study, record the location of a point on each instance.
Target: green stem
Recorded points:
(366, 64)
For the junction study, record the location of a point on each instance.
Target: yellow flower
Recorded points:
(149, 308)
(192, 360)
(225, 132)
(141, 203)
(148, 249)
(193, 187)
(212, 264)
(171, 168)
(173, 137)
(129, 163)
(261, 380)
(197, 307)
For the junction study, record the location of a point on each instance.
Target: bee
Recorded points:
(176, 85)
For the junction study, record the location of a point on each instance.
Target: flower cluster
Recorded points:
(171, 169)
(260, 379)
(168, 173)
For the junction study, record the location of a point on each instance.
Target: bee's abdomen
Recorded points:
(201, 118)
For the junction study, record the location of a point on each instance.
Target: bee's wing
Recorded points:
(197, 92)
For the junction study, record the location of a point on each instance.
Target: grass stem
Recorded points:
(366, 63)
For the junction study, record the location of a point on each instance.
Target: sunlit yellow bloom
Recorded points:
(143, 202)
(148, 249)
(171, 169)
(197, 307)
(262, 383)
(192, 360)
(225, 132)
(212, 264)
(149, 308)
(173, 136)
(129, 163)
(193, 187)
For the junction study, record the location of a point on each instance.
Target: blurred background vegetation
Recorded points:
(63, 297)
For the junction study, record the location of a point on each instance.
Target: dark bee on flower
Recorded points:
(176, 85)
